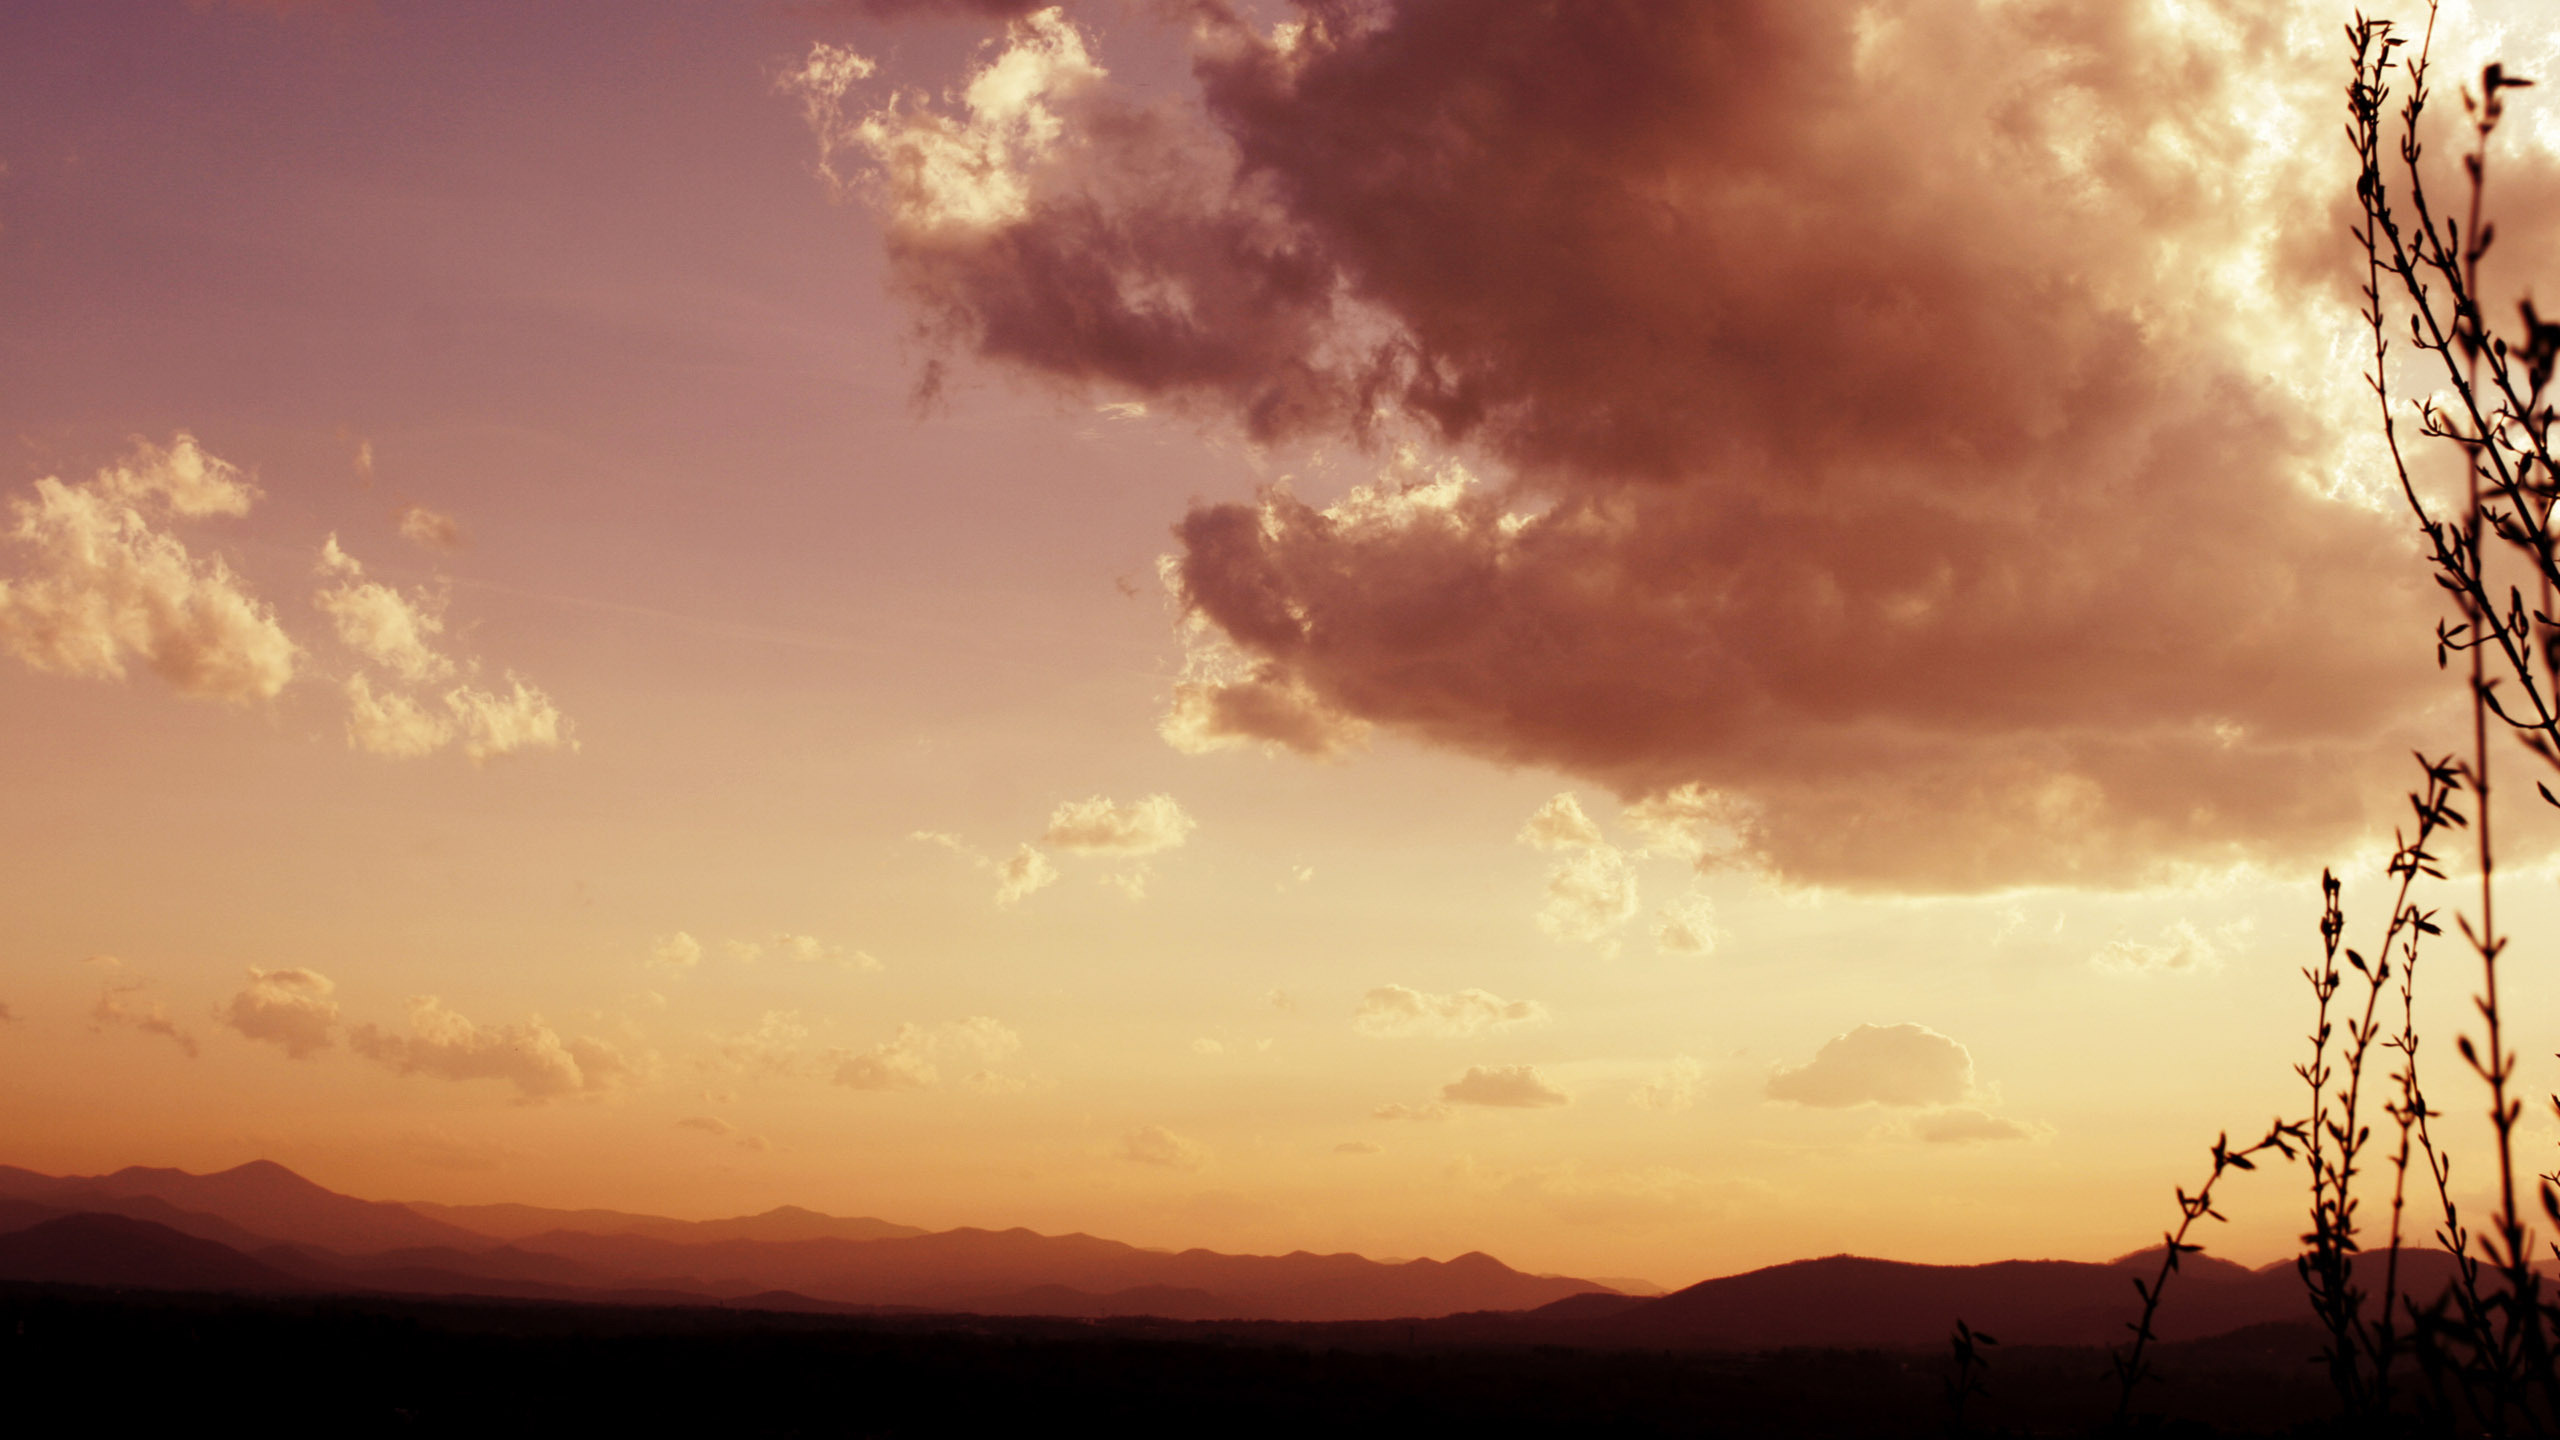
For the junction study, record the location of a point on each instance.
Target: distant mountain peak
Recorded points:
(264, 1167)
(270, 1174)
(264, 1175)
(2146, 1261)
(262, 1198)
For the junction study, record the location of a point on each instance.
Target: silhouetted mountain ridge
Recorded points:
(784, 1222)
(957, 1269)
(257, 1201)
(282, 1222)
(260, 1228)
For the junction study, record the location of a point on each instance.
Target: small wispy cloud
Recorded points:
(1396, 1012)
(1155, 1145)
(1504, 1087)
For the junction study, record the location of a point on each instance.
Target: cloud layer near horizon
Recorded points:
(1885, 415)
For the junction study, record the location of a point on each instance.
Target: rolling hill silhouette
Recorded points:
(119, 1252)
(1845, 1301)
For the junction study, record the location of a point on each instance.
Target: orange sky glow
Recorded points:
(1648, 638)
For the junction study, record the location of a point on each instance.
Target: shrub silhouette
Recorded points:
(2482, 1351)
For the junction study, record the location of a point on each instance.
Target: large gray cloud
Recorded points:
(1897, 422)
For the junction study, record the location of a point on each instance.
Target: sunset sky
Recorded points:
(1650, 638)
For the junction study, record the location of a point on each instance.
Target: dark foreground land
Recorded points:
(138, 1361)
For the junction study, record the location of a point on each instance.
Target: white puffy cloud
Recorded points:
(489, 724)
(1097, 826)
(1510, 1087)
(286, 1008)
(121, 1002)
(494, 724)
(334, 560)
(398, 633)
(1395, 1011)
(387, 627)
(106, 585)
(982, 1037)
(821, 83)
(391, 724)
(1560, 825)
(532, 1056)
(183, 478)
(908, 1060)
(1686, 926)
(679, 951)
(902, 1063)
(809, 950)
(1023, 872)
(1692, 823)
(1592, 889)
(772, 1048)
(1879, 1065)
(431, 528)
(1155, 1145)
(1589, 893)
(395, 631)
(952, 173)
